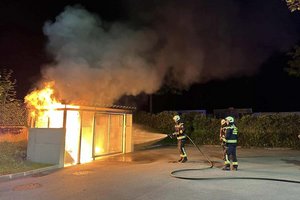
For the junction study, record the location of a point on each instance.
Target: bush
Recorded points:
(269, 131)
(162, 122)
(253, 131)
(206, 130)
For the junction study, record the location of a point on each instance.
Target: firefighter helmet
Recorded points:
(223, 122)
(230, 119)
(176, 118)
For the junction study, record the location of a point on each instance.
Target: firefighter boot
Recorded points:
(184, 160)
(234, 167)
(181, 158)
(226, 168)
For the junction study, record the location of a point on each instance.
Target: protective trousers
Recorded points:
(231, 156)
(180, 145)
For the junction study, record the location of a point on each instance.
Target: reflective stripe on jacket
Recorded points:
(179, 131)
(231, 136)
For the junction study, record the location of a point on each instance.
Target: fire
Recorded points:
(44, 98)
(48, 112)
(89, 132)
(43, 103)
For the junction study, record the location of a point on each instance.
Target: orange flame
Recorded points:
(44, 98)
(44, 104)
(46, 113)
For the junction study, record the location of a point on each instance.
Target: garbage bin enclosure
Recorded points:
(90, 132)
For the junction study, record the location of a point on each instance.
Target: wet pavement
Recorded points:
(145, 174)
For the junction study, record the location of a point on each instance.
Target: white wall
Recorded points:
(46, 145)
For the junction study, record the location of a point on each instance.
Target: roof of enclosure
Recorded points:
(103, 108)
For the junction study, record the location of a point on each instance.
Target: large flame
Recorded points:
(48, 112)
(42, 104)
(43, 98)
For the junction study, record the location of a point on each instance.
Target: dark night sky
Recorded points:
(242, 54)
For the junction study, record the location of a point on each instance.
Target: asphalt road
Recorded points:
(145, 175)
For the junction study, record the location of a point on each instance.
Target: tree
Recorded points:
(11, 109)
(294, 63)
(170, 86)
(293, 5)
(8, 92)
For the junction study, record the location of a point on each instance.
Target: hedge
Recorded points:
(254, 131)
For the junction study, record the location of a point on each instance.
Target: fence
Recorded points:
(13, 133)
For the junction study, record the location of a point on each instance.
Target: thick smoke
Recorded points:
(178, 42)
(98, 64)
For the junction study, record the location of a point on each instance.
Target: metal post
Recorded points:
(108, 133)
(80, 138)
(124, 134)
(65, 129)
(65, 119)
(93, 142)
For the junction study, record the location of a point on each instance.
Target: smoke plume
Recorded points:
(175, 42)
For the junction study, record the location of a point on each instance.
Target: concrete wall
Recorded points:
(46, 145)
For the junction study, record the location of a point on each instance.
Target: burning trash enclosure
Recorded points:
(71, 134)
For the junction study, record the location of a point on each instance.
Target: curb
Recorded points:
(27, 173)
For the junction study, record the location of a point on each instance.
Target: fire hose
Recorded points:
(204, 155)
(175, 173)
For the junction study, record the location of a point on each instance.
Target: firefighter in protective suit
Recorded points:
(222, 136)
(181, 138)
(231, 138)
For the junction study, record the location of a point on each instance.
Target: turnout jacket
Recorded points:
(179, 131)
(231, 135)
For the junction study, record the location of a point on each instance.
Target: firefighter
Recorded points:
(231, 138)
(181, 138)
(222, 136)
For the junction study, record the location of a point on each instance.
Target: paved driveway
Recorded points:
(145, 175)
